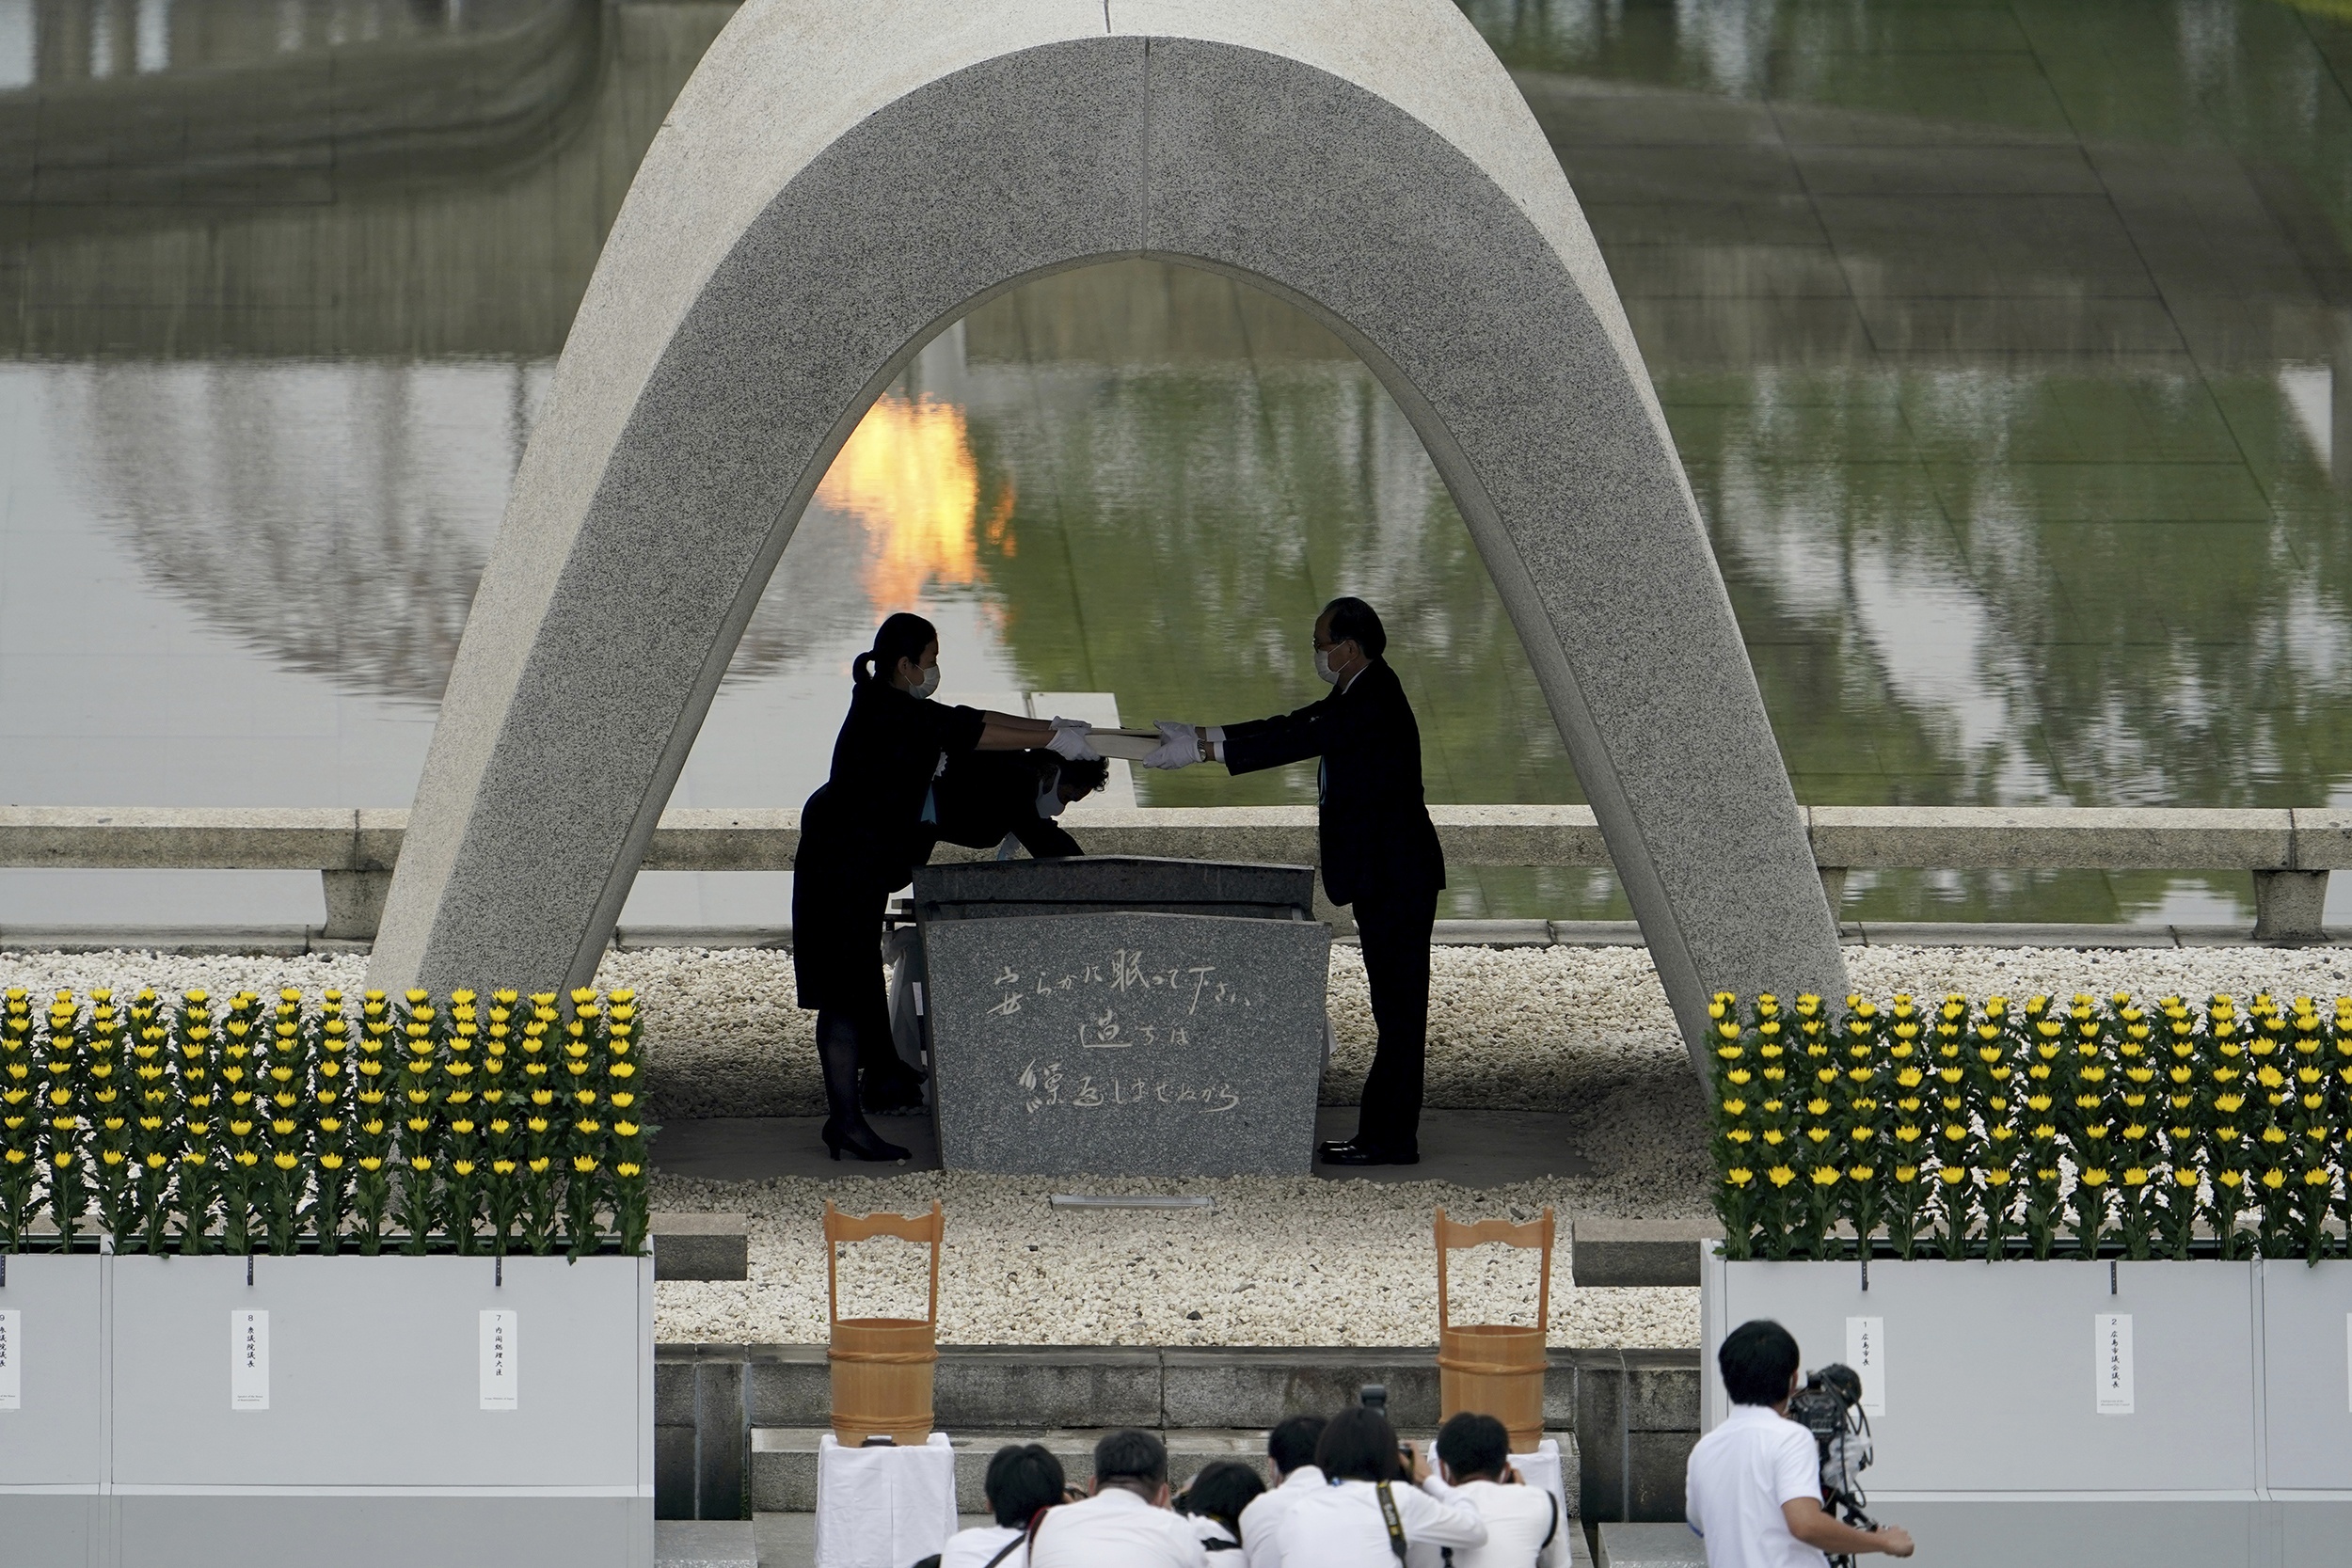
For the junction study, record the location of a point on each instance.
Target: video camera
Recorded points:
(1830, 1407)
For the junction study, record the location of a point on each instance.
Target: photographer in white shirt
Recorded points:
(1022, 1480)
(1290, 1451)
(1753, 1485)
(1346, 1524)
(1523, 1524)
(1126, 1524)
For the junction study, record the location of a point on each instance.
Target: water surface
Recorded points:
(2007, 347)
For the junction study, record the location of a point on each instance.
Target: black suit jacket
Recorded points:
(985, 794)
(1376, 832)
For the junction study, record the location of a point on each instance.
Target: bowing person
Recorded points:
(862, 834)
(1379, 850)
(995, 800)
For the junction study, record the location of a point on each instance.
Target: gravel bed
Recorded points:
(1582, 1030)
(1276, 1262)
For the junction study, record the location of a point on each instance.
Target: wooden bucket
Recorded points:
(1495, 1369)
(881, 1367)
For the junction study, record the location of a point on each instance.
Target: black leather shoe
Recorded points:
(1354, 1153)
(894, 1094)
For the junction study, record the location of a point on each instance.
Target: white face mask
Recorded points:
(1323, 667)
(1049, 800)
(928, 684)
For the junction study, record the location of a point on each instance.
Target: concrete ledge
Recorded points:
(207, 837)
(1652, 1545)
(186, 940)
(1869, 837)
(1260, 1386)
(2042, 837)
(277, 940)
(2322, 838)
(1638, 1253)
(1494, 933)
(1066, 1385)
(1634, 1413)
(704, 1543)
(1074, 1387)
(701, 1246)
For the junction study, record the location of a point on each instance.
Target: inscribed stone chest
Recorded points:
(1127, 1044)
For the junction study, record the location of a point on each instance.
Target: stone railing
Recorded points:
(2289, 852)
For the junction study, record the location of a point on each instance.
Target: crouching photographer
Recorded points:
(1754, 1483)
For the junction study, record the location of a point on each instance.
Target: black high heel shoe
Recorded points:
(862, 1142)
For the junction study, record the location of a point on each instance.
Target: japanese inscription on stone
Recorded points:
(1127, 1043)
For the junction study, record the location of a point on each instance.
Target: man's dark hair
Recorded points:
(1352, 620)
(1472, 1445)
(1292, 1445)
(1021, 1478)
(1757, 1360)
(1132, 1456)
(1082, 778)
(1359, 1445)
(1221, 1492)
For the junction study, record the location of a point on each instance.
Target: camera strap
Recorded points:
(1388, 1511)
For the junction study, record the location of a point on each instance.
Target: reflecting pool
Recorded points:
(2009, 348)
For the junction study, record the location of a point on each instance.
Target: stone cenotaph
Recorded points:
(1118, 1015)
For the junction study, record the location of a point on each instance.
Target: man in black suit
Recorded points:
(1380, 852)
(986, 798)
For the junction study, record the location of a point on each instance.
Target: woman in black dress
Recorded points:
(862, 833)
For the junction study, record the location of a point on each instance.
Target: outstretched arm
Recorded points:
(1004, 733)
(1820, 1529)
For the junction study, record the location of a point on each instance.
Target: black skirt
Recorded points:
(837, 935)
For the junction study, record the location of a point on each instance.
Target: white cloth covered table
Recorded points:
(1542, 1468)
(884, 1507)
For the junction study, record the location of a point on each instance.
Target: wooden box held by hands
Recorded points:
(1495, 1369)
(881, 1367)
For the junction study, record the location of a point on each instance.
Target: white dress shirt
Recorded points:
(1115, 1529)
(1517, 1518)
(1341, 1526)
(1738, 1476)
(978, 1548)
(1261, 1521)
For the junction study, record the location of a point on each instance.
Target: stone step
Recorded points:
(1636, 1410)
(1038, 1388)
(784, 1460)
(704, 1543)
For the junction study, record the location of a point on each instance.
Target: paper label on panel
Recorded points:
(11, 1361)
(248, 1360)
(499, 1369)
(1866, 1352)
(2112, 1336)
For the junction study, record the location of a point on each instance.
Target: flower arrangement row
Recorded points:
(2039, 1128)
(244, 1124)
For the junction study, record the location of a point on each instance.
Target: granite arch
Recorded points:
(835, 186)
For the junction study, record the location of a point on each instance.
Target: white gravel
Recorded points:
(1582, 1030)
(1276, 1262)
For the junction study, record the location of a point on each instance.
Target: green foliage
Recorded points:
(2097, 1128)
(230, 1126)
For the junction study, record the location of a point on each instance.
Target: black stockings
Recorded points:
(837, 1054)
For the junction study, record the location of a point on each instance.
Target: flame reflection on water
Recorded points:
(908, 476)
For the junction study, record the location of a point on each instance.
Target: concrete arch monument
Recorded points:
(840, 180)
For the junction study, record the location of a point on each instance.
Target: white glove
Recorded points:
(1179, 746)
(1070, 741)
